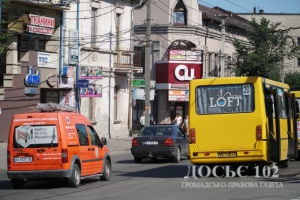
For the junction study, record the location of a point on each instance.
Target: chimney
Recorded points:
(254, 10)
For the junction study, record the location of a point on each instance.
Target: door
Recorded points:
(96, 151)
(273, 133)
(85, 149)
(292, 126)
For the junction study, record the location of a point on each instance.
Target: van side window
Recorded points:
(94, 136)
(82, 135)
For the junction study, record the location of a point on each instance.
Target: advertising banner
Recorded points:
(94, 90)
(91, 73)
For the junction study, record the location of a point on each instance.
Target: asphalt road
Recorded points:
(159, 179)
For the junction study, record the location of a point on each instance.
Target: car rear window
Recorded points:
(35, 136)
(156, 131)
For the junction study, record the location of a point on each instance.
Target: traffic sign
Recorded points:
(82, 83)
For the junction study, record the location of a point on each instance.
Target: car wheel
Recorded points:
(106, 172)
(74, 180)
(177, 156)
(17, 183)
(137, 159)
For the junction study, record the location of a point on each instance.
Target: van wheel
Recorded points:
(106, 172)
(74, 180)
(17, 183)
(177, 156)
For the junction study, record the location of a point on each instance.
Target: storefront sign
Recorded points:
(176, 75)
(30, 90)
(94, 90)
(185, 55)
(91, 73)
(41, 25)
(32, 79)
(138, 83)
(139, 93)
(178, 95)
(48, 60)
(67, 98)
(188, 74)
(73, 59)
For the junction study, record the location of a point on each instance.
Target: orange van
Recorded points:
(54, 143)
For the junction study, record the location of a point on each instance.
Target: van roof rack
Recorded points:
(52, 107)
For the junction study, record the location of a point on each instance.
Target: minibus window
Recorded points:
(281, 103)
(224, 99)
(35, 136)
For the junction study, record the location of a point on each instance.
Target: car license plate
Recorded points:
(22, 159)
(227, 154)
(151, 143)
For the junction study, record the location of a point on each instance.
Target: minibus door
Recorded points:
(273, 126)
(292, 126)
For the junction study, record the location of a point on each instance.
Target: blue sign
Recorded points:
(82, 83)
(32, 79)
(30, 90)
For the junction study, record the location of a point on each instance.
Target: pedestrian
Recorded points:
(152, 122)
(142, 119)
(178, 120)
(186, 124)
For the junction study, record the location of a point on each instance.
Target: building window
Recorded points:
(118, 29)
(94, 27)
(117, 90)
(180, 14)
(298, 62)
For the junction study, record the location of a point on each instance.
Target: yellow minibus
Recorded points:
(296, 91)
(241, 120)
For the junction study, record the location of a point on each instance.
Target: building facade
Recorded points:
(189, 41)
(30, 65)
(290, 23)
(103, 52)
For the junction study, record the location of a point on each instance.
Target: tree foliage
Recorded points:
(268, 47)
(4, 34)
(292, 79)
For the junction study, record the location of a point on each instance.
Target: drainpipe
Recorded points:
(110, 71)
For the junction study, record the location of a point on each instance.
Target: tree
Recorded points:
(4, 34)
(268, 47)
(292, 79)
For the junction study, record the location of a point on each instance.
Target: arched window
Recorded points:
(180, 14)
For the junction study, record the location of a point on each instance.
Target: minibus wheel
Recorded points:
(17, 183)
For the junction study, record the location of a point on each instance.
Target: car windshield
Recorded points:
(156, 131)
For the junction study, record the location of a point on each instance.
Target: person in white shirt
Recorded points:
(142, 119)
(178, 120)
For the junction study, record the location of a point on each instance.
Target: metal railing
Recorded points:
(127, 58)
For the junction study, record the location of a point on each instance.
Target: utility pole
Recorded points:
(222, 46)
(147, 64)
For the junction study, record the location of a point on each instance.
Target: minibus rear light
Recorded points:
(258, 132)
(192, 136)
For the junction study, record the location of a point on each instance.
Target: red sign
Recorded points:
(41, 25)
(179, 72)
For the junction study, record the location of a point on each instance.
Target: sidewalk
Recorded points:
(114, 145)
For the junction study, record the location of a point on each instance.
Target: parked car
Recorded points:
(155, 141)
(55, 144)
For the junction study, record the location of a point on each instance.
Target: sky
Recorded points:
(246, 6)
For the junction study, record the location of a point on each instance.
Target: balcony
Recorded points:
(47, 4)
(125, 61)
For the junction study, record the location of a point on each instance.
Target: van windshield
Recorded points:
(35, 136)
(224, 99)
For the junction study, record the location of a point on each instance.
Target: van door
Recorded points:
(273, 125)
(85, 149)
(97, 153)
(292, 126)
